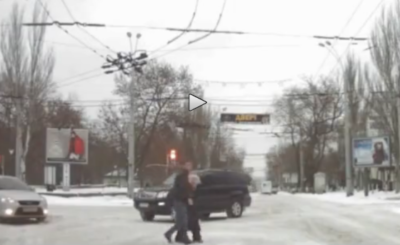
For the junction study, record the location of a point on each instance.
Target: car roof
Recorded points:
(242, 176)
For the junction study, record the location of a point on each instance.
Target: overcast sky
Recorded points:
(282, 49)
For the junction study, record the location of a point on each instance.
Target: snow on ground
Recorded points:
(388, 200)
(358, 198)
(86, 190)
(107, 201)
(272, 219)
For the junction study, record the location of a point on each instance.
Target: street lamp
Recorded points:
(347, 121)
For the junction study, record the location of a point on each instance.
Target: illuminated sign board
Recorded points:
(245, 118)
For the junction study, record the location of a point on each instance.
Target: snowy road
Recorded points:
(275, 220)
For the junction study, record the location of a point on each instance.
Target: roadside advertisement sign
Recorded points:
(67, 145)
(372, 151)
(245, 118)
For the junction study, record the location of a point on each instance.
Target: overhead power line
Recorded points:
(79, 80)
(340, 33)
(64, 30)
(199, 38)
(260, 82)
(358, 31)
(227, 32)
(68, 79)
(182, 33)
(83, 29)
(201, 48)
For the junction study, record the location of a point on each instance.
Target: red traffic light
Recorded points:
(172, 154)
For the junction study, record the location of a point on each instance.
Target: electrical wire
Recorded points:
(340, 33)
(227, 32)
(243, 82)
(67, 32)
(79, 80)
(218, 102)
(182, 33)
(201, 48)
(234, 32)
(62, 81)
(83, 29)
(358, 31)
(199, 38)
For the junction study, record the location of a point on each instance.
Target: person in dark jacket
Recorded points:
(193, 216)
(181, 195)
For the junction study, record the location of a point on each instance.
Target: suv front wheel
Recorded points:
(235, 210)
(147, 216)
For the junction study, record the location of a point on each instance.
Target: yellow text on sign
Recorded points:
(246, 118)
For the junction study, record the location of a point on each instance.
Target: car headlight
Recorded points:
(6, 200)
(162, 194)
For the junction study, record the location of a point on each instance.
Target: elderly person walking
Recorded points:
(193, 217)
(181, 195)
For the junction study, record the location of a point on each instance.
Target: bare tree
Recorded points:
(357, 93)
(155, 95)
(384, 77)
(310, 114)
(26, 72)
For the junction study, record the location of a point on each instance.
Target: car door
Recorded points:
(213, 192)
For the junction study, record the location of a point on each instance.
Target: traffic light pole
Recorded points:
(131, 151)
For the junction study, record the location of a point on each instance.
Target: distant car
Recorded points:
(266, 187)
(20, 201)
(275, 189)
(219, 191)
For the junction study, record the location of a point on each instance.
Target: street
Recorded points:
(279, 219)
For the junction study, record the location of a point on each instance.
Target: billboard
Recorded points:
(371, 151)
(67, 145)
(245, 118)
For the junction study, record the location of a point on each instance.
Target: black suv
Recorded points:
(219, 191)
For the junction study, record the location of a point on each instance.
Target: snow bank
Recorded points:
(86, 190)
(103, 201)
(358, 198)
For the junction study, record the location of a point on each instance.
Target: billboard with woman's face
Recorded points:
(372, 151)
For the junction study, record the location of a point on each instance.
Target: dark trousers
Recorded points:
(193, 225)
(181, 219)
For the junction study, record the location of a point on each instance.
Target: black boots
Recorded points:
(197, 237)
(182, 238)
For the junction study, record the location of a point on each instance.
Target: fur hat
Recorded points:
(194, 179)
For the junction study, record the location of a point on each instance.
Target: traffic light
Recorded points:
(172, 155)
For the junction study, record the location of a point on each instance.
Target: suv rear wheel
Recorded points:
(147, 216)
(235, 209)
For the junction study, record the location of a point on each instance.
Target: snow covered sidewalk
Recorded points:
(386, 200)
(103, 201)
(85, 190)
(358, 198)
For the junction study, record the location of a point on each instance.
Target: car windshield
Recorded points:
(13, 184)
(170, 180)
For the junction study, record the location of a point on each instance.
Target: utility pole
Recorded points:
(127, 63)
(301, 163)
(397, 166)
(131, 140)
(131, 150)
(347, 140)
(18, 140)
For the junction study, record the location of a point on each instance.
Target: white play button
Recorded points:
(195, 102)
